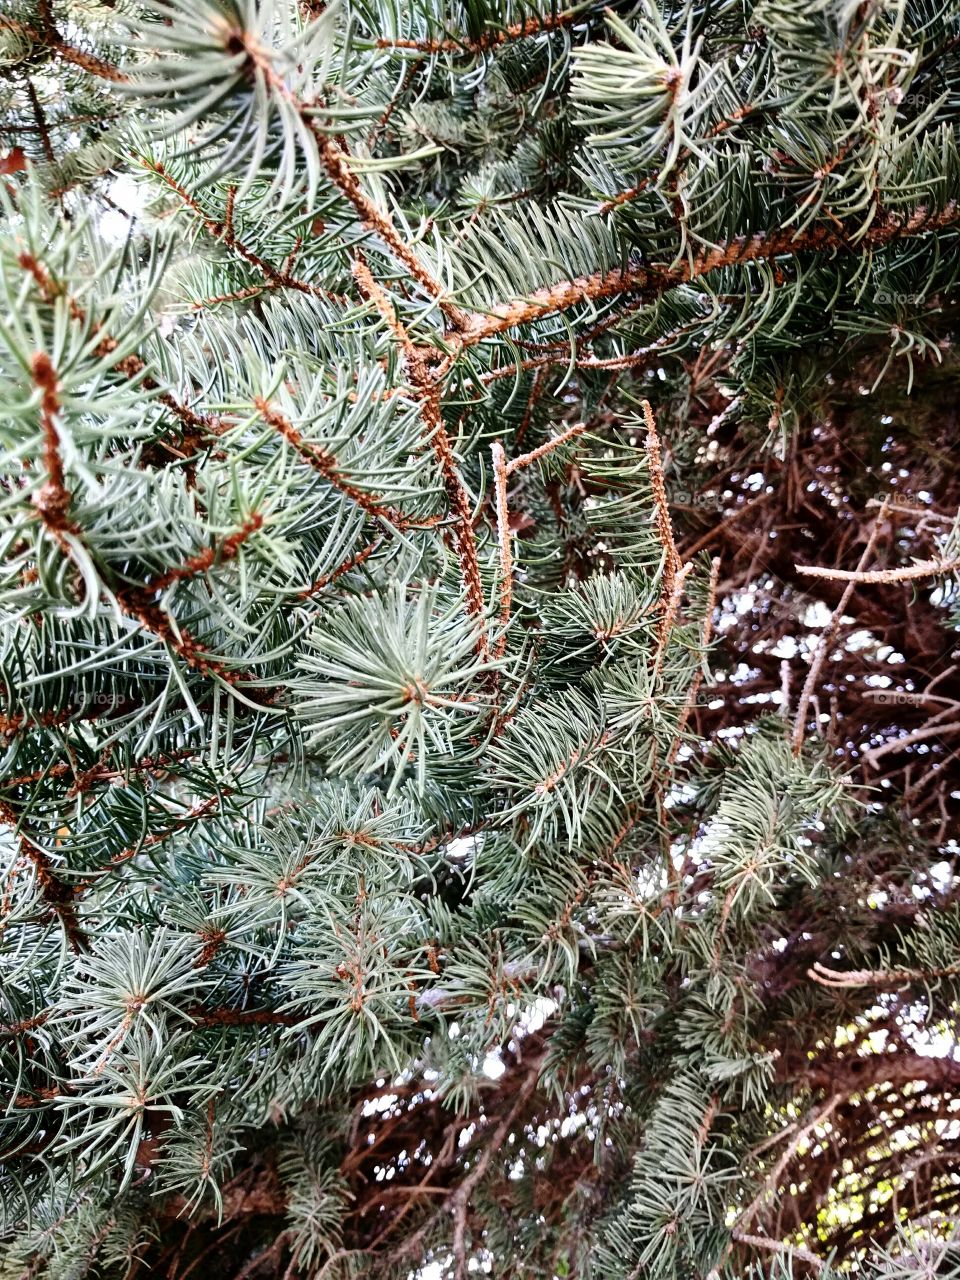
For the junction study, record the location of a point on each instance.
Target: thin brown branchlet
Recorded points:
(828, 638)
(47, 36)
(427, 386)
(225, 232)
(502, 470)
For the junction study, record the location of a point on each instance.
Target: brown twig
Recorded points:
(932, 729)
(841, 979)
(460, 1200)
(631, 193)
(772, 1180)
(525, 459)
(206, 559)
(41, 119)
(651, 281)
(671, 557)
(274, 277)
(328, 466)
(52, 40)
(336, 162)
(778, 1246)
(921, 569)
(504, 544)
(100, 773)
(608, 364)
(59, 895)
(429, 393)
(52, 501)
(202, 809)
(352, 562)
(489, 40)
(705, 637)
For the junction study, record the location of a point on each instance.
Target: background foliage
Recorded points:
(460, 818)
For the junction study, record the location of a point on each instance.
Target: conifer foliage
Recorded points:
(441, 834)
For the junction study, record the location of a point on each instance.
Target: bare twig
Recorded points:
(772, 1180)
(840, 978)
(460, 1200)
(542, 450)
(778, 1246)
(500, 473)
(921, 569)
(669, 600)
(828, 638)
(930, 730)
(706, 636)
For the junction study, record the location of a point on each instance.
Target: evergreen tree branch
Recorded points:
(467, 47)
(683, 156)
(336, 162)
(328, 466)
(197, 812)
(130, 366)
(286, 822)
(59, 895)
(352, 562)
(650, 282)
